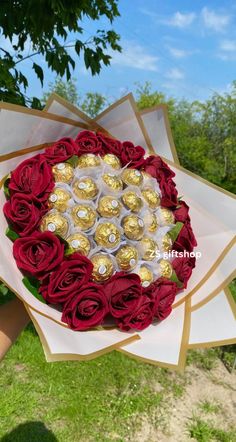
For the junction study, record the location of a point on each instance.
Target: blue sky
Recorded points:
(185, 49)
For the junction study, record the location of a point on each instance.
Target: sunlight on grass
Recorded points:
(203, 431)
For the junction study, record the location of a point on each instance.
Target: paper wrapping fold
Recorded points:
(167, 343)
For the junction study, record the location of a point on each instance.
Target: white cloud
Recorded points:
(135, 56)
(227, 50)
(228, 45)
(175, 74)
(214, 21)
(180, 53)
(177, 53)
(180, 20)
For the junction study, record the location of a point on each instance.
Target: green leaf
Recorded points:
(73, 161)
(36, 104)
(32, 284)
(11, 234)
(6, 188)
(39, 72)
(175, 279)
(174, 233)
(69, 250)
(3, 289)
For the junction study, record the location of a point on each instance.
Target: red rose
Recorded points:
(110, 145)
(88, 142)
(60, 151)
(140, 318)
(24, 213)
(157, 168)
(123, 292)
(132, 155)
(87, 308)
(183, 268)
(181, 214)
(39, 254)
(164, 292)
(186, 239)
(33, 177)
(168, 193)
(69, 276)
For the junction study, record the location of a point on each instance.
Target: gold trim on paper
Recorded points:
(231, 301)
(21, 152)
(129, 97)
(208, 274)
(53, 357)
(164, 108)
(41, 114)
(212, 344)
(215, 292)
(224, 341)
(183, 346)
(112, 106)
(141, 124)
(90, 121)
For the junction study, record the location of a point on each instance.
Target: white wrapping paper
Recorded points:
(212, 211)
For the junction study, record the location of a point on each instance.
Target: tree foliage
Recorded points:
(42, 28)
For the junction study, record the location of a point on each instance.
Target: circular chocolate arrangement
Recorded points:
(112, 215)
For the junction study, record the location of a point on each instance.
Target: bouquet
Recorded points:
(102, 239)
(92, 220)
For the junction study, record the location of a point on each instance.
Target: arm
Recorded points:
(13, 319)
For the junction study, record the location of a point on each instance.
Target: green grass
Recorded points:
(204, 359)
(209, 407)
(202, 431)
(99, 400)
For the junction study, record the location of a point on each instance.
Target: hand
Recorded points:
(13, 319)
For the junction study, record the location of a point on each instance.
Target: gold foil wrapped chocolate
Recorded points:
(132, 201)
(151, 197)
(107, 235)
(102, 267)
(109, 206)
(149, 248)
(133, 227)
(85, 188)
(132, 177)
(145, 275)
(56, 223)
(113, 181)
(153, 223)
(83, 216)
(79, 243)
(112, 160)
(166, 216)
(127, 257)
(165, 268)
(59, 199)
(88, 160)
(63, 172)
(166, 243)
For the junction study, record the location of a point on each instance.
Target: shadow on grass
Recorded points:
(30, 432)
